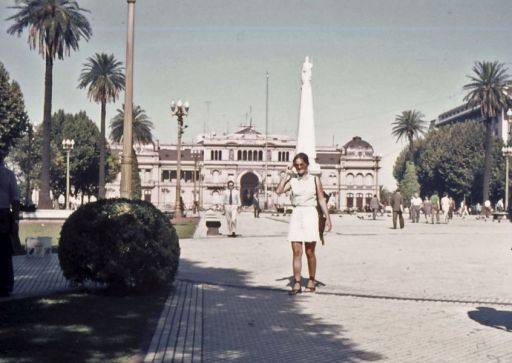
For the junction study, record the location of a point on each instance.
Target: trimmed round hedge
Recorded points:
(127, 245)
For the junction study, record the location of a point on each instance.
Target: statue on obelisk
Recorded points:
(306, 133)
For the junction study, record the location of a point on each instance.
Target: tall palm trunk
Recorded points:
(45, 201)
(101, 193)
(489, 138)
(411, 148)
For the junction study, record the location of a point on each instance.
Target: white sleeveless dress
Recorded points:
(304, 220)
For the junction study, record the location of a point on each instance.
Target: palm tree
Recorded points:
(104, 77)
(55, 27)
(486, 90)
(408, 125)
(142, 127)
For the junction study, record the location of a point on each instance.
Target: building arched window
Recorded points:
(350, 179)
(368, 180)
(216, 176)
(367, 200)
(260, 155)
(359, 201)
(220, 155)
(250, 155)
(212, 155)
(239, 155)
(244, 155)
(350, 200)
(287, 156)
(279, 156)
(359, 179)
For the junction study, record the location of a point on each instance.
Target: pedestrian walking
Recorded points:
(427, 208)
(463, 210)
(231, 207)
(434, 200)
(416, 203)
(9, 228)
(256, 205)
(445, 207)
(306, 193)
(397, 204)
(374, 206)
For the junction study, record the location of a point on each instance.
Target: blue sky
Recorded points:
(372, 60)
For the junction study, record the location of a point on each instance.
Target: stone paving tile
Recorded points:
(179, 332)
(34, 276)
(258, 325)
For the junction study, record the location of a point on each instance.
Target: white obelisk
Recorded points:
(306, 134)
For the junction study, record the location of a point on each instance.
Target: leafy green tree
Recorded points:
(84, 160)
(13, 118)
(486, 92)
(27, 159)
(104, 78)
(409, 125)
(450, 159)
(142, 134)
(409, 184)
(84, 157)
(55, 27)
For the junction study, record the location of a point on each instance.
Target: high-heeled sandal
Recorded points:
(295, 291)
(309, 288)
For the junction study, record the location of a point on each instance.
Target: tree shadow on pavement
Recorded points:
(251, 324)
(492, 317)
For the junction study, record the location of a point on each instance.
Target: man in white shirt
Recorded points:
(231, 204)
(416, 202)
(445, 206)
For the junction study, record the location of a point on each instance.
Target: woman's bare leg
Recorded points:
(297, 262)
(310, 254)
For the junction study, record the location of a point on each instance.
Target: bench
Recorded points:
(38, 246)
(497, 216)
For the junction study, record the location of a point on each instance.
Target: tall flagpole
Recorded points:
(266, 148)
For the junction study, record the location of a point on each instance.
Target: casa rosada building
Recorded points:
(349, 173)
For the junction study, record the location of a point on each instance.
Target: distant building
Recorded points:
(463, 113)
(349, 172)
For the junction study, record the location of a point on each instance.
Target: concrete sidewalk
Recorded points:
(427, 293)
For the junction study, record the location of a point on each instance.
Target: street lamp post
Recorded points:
(126, 161)
(179, 109)
(265, 203)
(29, 164)
(201, 180)
(196, 155)
(378, 158)
(67, 145)
(507, 152)
(338, 197)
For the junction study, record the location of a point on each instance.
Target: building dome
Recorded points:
(357, 146)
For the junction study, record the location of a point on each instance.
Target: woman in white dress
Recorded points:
(304, 221)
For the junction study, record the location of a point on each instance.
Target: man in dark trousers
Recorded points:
(9, 219)
(397, 204)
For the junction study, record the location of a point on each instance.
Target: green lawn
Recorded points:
(184, 229)
(78, 327)
(33, 228)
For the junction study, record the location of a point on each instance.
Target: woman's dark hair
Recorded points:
(302, 156)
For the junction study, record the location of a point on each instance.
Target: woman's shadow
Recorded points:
(493, 318)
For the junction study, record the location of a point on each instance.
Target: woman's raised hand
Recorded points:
(290, 170)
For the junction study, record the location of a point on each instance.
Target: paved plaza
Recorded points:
(427, 293)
